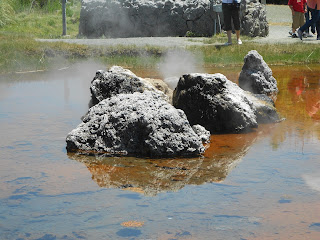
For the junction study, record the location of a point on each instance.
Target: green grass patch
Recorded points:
(6, 12)
(274, 54)
(23, 53)
(45, 22)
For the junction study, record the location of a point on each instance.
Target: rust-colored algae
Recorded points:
(298, 101)
(132, 224)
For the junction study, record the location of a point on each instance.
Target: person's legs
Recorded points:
(236, 21)
(229, 32)
(238, 34)
(315, 14)
(306, 16)
(318, 28)
(301, 22)
(313, 26)
(295, 23)
(227, 21)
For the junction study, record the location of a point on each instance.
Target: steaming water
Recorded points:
(262, 185)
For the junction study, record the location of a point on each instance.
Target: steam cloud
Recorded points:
(179, 62)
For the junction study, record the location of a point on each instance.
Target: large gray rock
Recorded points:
(256, 76)
(138, 124)
(152, 18)
(118, 80)
(137, 18)
(254, 19)
(220, 105)
(214, 102)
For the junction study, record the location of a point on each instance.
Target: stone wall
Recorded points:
(153, 18)
(254, 19)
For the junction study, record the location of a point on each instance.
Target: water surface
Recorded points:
(261, 185)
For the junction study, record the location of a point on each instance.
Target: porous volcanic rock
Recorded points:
(214, 102)
(161, 86)
(153, 176)
(145, 18)
(202, 133)
(264, 108)
(138, 124)
(118, 80)
(256, 75)
(253, 19)
(159, 18)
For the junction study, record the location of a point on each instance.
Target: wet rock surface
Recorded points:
(146, 18)
(220, 105)
(264, 108)
(256, 76)
(214, 102)
(138, 124)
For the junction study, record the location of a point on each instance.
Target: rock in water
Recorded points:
(214, 102)
(264, 108)
(138, 124)
(118, 80)
(256, 76)
(202, 133)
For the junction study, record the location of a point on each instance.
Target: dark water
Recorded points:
(262, 185)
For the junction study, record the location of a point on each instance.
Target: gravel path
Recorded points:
(279, 19)
(278, 16)
(142, 41)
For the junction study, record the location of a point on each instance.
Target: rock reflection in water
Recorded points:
(152, 176)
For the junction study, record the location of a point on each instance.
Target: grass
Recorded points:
(23, 53)
(46, 22)
(20, 52)
(273, 54)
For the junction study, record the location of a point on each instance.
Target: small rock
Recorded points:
(256, 76)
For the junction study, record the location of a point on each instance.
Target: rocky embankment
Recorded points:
(163, 18)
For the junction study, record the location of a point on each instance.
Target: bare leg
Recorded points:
(229, 36)
(238, 34)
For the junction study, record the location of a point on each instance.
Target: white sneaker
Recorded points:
(228, 43)
(239, 42)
